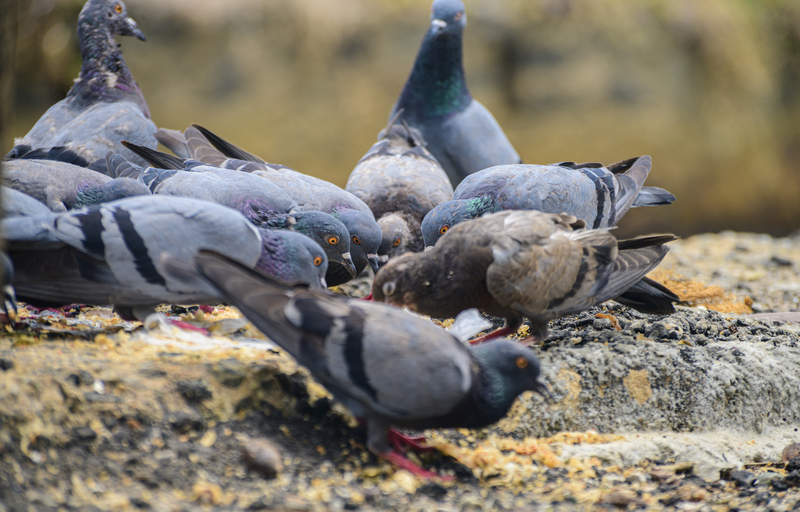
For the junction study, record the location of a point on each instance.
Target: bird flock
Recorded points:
(440, 209)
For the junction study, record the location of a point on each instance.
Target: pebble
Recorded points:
(790, 452)
(262, 456)
(743, 478)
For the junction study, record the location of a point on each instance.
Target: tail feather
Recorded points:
(259, 298)
(173, 140)
(648, 296)
(226, 148)
(653, 196)
(201, 149)
(155, 158)
(631, 181)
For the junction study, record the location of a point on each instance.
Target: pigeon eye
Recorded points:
(317, 261)
(396, 243)
(356, 240)
(333, 240)
(522, 362)
(118, 9)
(389, 288)
(444, 229)
(458, 16)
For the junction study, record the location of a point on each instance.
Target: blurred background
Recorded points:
(710, 89)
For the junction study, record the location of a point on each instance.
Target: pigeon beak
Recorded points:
(134, 29)
(10, 298)
(374, 262)
(540, 387)
(347, 262)
(438, 26)
(323, 282)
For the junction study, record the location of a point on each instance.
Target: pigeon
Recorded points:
(116, 253)
(400, 181)
(19, 204)
(460, 132)
(310, 193)
(62, 186)
(260, 201)
(519, 264)
(388, 367)
(598, 195)
(105, 106)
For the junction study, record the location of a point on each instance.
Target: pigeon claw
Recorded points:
(400, 460)
(401, 441)
(503, 331)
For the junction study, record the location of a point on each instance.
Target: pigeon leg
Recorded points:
(187, 326)
(206, 308)
(400, 440)
(378, 441)
(368, 297)
(400, 460)
(512, 324)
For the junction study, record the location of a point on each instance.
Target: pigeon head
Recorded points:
(399, 282)
(365, 237)
(511, 369)
(443, 217)
(110, 191)
(330, 234)
(397, 237)
(292, 259)
(111, 14)
(447, 17)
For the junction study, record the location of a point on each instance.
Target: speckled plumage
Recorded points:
(517, 264)
(119, 253)
(105, 106)
(460, 132)
(400, 181)
(387, 367)
(598, 195)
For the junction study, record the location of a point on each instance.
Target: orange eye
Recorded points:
(522, 362)
(396, 243)
(444, 229)
(356, 240)
(333, 240)
(317, 261)
(118, 8)
(458, 16)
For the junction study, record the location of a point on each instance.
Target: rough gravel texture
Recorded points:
(686, 412)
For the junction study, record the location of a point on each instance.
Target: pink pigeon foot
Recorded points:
(400, 440)
(400, 460)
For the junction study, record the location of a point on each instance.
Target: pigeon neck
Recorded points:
(436, 87)
(104, 74)
(478, 206)
(489, 398)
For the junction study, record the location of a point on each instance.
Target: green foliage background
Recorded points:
(709, 88)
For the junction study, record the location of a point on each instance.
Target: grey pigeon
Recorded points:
(460, 132)
(518, 264)
(261, 202)
(400, 181)
(598, 195)
(62, 186)
(311, 194)
(19, 204)
(386, 366)
(105, 106)
(117, 253)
